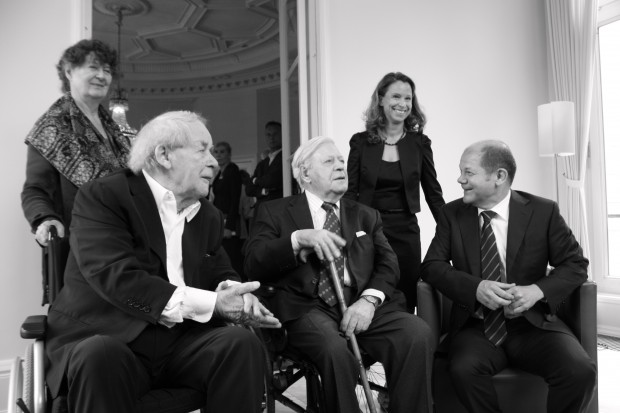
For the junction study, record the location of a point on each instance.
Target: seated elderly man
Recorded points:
(289, 248)
(148, 289)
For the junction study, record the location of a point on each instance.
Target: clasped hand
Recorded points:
(43, 231)
(516, 299)
(234, 303)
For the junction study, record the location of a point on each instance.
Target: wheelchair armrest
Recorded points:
(579, 312)
(34, 327)
(429, 308)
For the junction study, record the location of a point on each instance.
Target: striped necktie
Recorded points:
(326, 290)
(494, 320)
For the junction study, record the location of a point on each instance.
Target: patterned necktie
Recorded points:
(326, 289)
(494, 320)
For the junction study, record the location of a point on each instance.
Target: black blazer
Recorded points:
(537, 236)
(270, 258)
(266, 176)
(116, 280)
(417, 167)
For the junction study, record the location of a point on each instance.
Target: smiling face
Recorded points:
(397, 102)
(325, 174)
(480, 188)
(91, 80)
(191, 167)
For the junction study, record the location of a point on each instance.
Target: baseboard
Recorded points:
(608, 308)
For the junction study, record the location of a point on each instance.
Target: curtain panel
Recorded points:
(571, 36)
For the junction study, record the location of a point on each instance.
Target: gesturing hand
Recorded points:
(324, 243)
(235, 303)
(43, 231)
(494, 294)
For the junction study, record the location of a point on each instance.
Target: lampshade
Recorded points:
(556, 129)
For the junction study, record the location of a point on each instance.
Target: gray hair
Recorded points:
(303, 154)
(170, 129)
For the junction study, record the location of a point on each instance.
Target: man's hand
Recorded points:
(227, 233)
(235, 303)
(357, 317)
(43, 231)
(524, 298)
(324, 243)
(494, 294)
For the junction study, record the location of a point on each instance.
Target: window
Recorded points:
(609, 44)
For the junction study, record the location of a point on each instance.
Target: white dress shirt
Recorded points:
(186, 302)
(319, 215)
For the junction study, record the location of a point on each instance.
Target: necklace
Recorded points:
(396, 141)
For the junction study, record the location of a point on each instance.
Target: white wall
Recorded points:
(479, 67)
(34, 35)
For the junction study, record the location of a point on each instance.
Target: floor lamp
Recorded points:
(556, 134)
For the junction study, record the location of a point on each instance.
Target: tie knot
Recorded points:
(328, 206)
(487, 216)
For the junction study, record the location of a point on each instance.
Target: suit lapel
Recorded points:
(195, 235)
(348, 215)
(371, 160)
(147, 208)
(299, 211)
(520, 214)
(470, 235)
(409, 145)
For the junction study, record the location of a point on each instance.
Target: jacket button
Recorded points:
(314, 280)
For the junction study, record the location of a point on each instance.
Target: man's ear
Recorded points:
(304, 174)
(501, 176)
(162, 156)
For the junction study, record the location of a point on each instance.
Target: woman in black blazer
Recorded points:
(387, 164)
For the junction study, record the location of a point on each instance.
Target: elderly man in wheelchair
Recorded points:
(291, 242)
(148, 291)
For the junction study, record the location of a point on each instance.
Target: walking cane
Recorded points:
(356, 349)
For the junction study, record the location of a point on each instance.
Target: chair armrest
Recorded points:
(34, 327)
(579, 312)
(429, 308)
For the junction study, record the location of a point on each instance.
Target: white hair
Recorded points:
(303, 154)
(170, 129)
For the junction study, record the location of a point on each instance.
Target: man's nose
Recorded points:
(461, 179)
(211, 161)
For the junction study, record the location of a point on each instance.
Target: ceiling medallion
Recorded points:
(130, 7)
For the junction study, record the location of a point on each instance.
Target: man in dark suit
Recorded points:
(266, 182)
(148, 289)
(289, 248)
(490, 256)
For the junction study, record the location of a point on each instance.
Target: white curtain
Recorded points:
(571, 36)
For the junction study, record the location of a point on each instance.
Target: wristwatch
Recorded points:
(375, 301)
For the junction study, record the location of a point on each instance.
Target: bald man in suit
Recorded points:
(490, 256)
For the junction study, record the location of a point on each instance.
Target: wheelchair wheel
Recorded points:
(28, 385)
(378, 387)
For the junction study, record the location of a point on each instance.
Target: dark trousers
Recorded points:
(403, 233)
(397, 339)
(226, 363)
(557, 357)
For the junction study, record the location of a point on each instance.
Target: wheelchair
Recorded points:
(287, 367)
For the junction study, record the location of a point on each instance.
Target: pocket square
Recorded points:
(360, 234)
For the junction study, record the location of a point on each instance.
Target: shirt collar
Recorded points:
(502, 207)
(162, 194)
(272, 155)
(315, 202)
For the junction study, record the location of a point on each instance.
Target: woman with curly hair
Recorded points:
(73, 142)
(387, 164)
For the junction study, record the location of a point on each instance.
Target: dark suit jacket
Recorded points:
(270, 258)
(417, 167)
(116, 280)
(537, 236)
(268, 176)
(227, 193)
